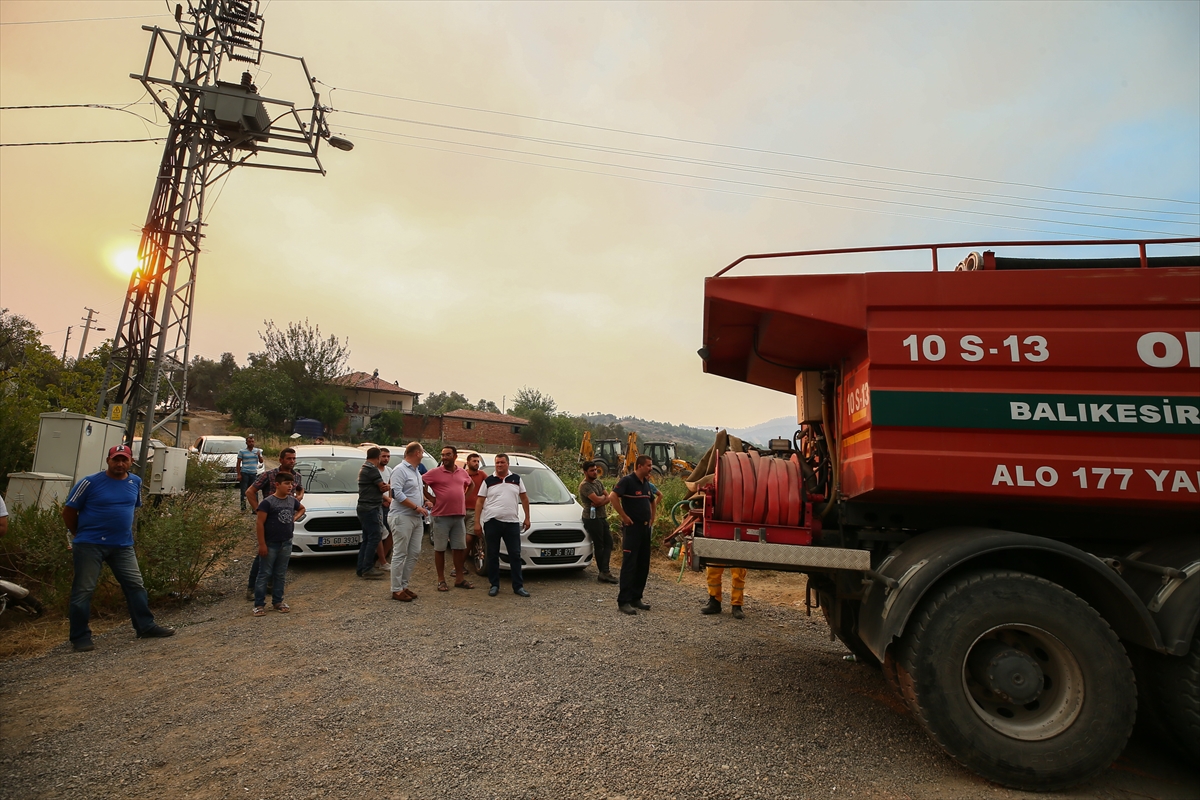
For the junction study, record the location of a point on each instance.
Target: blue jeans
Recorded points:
(89, 559)
(273, 567)
(371, 520)
(493, 531)
(245, 481)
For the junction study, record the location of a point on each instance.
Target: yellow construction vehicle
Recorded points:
(609, 454)
(662, 454)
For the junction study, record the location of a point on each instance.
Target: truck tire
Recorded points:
(1018, 679)
(1171, 698)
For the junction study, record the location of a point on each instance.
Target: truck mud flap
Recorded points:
(784, 557)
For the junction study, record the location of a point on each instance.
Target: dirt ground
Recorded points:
(460, 695)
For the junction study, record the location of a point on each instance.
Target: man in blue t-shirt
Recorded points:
(249, 459)
(99, 515)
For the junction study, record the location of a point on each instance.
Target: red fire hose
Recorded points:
(753, 490)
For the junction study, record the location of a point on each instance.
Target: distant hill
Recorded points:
(697, 440)
(778, 428)
(692, 442)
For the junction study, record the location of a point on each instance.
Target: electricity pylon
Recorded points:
(215, 126)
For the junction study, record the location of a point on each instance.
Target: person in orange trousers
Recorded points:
(737, 576)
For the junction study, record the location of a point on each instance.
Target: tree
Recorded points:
(208, 379)
(34, 381)
(290, 378)
(303, 355)
(441, 403)
(527, 400)
(487, 405)
(259, 397)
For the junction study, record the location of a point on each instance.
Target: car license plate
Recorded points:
(553, 552)
(335, 541)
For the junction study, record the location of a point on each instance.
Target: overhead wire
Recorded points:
(84, 141)
(78, 19)
(763, 186)
(764, 151)
(740, 167)
(726, 191)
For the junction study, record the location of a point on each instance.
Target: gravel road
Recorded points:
(459, 695)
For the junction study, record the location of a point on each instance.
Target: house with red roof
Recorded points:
(367, 394)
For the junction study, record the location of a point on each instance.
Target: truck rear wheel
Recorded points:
(1018, 679)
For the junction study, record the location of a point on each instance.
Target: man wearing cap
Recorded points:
(99, 514)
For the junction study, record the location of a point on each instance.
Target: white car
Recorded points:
(222, 450)
(556, 538)
(330, 524)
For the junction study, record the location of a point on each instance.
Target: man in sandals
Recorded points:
(276, 523)
(450, 484)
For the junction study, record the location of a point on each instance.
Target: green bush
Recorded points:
(34, 554)
(181, 539)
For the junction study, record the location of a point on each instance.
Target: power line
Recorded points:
(103, 106)
(754, 149)
(82, 19)
(766, 186)
(87, 141)
(742, 168)
(724, 191)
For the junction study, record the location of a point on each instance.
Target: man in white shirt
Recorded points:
(496, 518)
(406, 517)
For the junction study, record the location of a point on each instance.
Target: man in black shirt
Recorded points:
(371, 491)
(631, 500)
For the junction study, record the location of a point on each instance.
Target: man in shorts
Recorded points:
(450, 485)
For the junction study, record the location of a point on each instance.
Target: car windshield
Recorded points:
(219, 448)
(329, 474)
(542, 485)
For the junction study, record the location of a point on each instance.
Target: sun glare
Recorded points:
(124, 261)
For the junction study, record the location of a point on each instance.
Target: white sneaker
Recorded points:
(387, 566)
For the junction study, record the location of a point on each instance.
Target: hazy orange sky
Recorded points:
(464, 270)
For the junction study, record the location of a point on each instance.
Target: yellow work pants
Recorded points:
(737, 577)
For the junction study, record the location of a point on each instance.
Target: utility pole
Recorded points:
(216, 125)
(87, 326)
(65, 343)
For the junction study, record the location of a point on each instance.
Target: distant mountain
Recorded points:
(692, 442)
(778, 428)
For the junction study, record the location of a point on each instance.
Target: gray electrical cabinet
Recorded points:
(40, 489)
(168, 467)
(74, 444)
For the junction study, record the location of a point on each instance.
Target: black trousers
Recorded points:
(602, 541)
(635, 562)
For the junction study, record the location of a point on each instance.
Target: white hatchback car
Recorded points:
(222, 450)
(330, 524)
(556, 538)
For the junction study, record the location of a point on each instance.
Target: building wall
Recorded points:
(379, 401)
(450, 430)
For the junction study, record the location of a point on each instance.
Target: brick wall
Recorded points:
(484, 434)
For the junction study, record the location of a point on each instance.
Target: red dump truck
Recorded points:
(994, 491)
